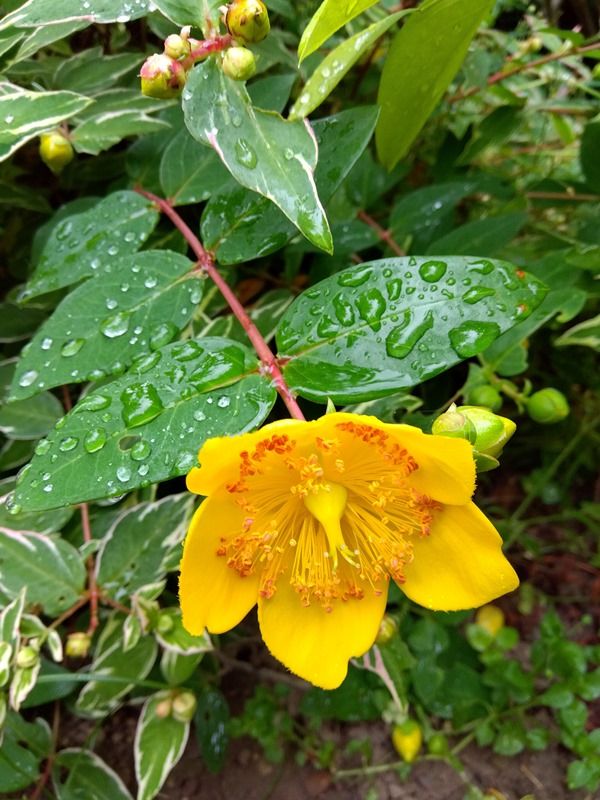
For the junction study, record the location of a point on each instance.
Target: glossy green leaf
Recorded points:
(42, 522)
(263, 152)
(585, 334)
(159, 744)
(272, 92)
(51, 12)
(49, 567)
(212, 717)
(19, 323)
(147, 425)
(239, 225)
(31, 418)
(588, 154)
(142, 545)
(92, 70)
(329, 18)
(86, 244)
(27, 114)
(102, 131)
(141, 304)
(78, 773)
(99, 697)
(482, 236)
(371, 330)
(337, 64)
(189, 171)
(182, 12)
(423, 59)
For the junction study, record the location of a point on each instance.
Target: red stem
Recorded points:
(205, 48)
(91, 567)
(206, 262)
(384, 235)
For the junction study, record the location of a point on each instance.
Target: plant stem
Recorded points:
(91, 567)
(205, 48)
(384, 235)
(206, 262)
(538, 62)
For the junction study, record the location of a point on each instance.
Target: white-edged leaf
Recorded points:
(132, 632)
(159, 744)
(178, 640)
(23, 681)
(52, 12)
(584, 334)
(10, 617)
(6, 654)
(87, 777)
(177, 668)
(189, 171)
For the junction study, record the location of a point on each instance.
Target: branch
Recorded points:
(384, 235)
(206, 263)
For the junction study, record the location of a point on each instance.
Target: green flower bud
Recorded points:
(56, 151)
(164, 708)
(239, 63)
(437, 744)
(27, 657)
(78, 645)
(388, 628)
(493, 431)
(184, 706)
(548, 406)
(455, 425)
(162, 77)
(164, 623)
(487, 396)
(176, 46)
(248, 21)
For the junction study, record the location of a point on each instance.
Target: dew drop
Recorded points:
(224, 402)
(402, 339)
(245, 154)
(477, 293)
(123, 474)
(46, 343)
(432, 271)
(162, 335)
(94, 402)
(115, 326)
(72, 347)
(94, 440)
(355, 277)
(150, 282)
(141, 404)
(28, 378)
(471, 338)
(199, 416)
(42, 447)
(140, 451)
(145, 363)
(68, 443)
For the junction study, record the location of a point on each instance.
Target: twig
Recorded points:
(205, 48)
(206, 263)
(384, 235)
(45, 776)
(563, 196)
(70, 611)
(537, 62)
(91, 567)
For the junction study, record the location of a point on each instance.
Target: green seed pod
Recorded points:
(388, 628)
(548, 406)
(248, 21)
(184, 706)
(437, 744)
(27, 657)
(162, 77)
(56, 151)
(239, 63)
(487, 396)
(176, 46)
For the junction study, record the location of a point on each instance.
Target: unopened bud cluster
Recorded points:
(486, 431)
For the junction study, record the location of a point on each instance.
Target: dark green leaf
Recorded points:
(189, 171)
(590, 147)
(351, 337)
(31, 418)
(212, 716)
(482, 236)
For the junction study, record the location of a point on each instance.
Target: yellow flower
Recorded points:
(311, 520)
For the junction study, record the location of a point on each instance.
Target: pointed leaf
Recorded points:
(423, 59)
(50, 12)
(148, 425)
(371, 330)
(329, 18)
(182, 12)
(87, 775)
(263, 152)
(189, 171)
(100, 327)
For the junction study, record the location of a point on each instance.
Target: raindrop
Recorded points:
(72, 347)
(402, 339)
(115, 326)
(188, 351)
(145, 363)
(477, 293)
(68, 443)
(184, 463)
(471, 338)
(199, 416)
(223, 402)
(94, 402)
(371, 306)
(150, 282)
(111, 304)
(245, 154)
(143, 469)
(432, 271)
(112, 250)
(162, 335)
(355, 277)
(344, 311)
(394, 289)
(288, 153)
(48, 488)
(141, 404)
(46, 343)
(42, 447)
(140, 451)
(94, 440)
(28, 378)
(123, 474)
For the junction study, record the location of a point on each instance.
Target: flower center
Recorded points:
(327, 503)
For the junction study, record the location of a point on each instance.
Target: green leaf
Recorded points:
(584, 774)
(265, 314)
(52, 12)
(211, 719)
(142, 545)
(585, 334)
(140, 305)
(239, 225)
(31, 418)
(99, 698)
(24, 746)
(10, 618)
(50, 567)
(44, 522)
(104, 130)
(87, 775)
(92, 70)
(148, 425)
(182, 12)
(263, 152)
(177, 668)
(27, 114)
(329, 18)
(85, 244)
(159, 744)
(189, 171)
(588, 155)
(19, 323)
(177, 639)
(371, 330)
(272, 92)
(337, 64)
(423, 59)
(482, 236)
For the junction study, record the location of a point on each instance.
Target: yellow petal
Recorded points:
(213, 595)
(460, 564)
(220, 457)
(315, 644)
(446, 466)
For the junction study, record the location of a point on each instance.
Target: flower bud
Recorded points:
(184, 706)
(176, 46)
(487, 396)
(388, 628)
(162, 77)
(55, 151)
(407, 739)
(248, 21)
(163, 708)
(164, 623)
(239, 63)
(27, 657)
(490, 618)
(78, 645)
(437, 744)
(454, 424)
(486, 431)
(547, 406)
